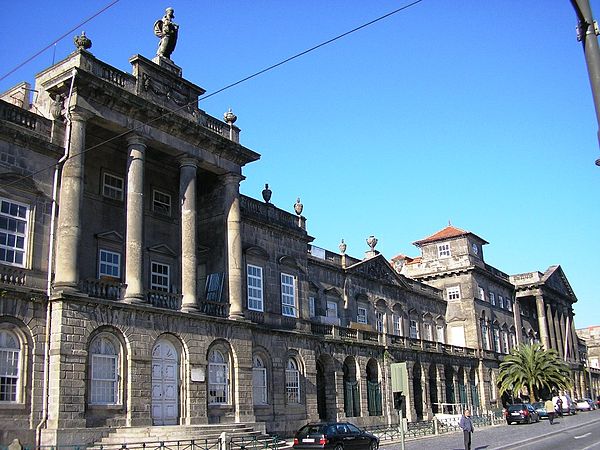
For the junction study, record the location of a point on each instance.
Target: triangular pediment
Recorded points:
(555, 279)
(111, 235)
(377, 268)
(163, 249)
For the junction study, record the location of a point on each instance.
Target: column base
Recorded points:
(135, 299)
(190, 308)
(67, 287)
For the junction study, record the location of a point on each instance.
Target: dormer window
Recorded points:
(443, 250)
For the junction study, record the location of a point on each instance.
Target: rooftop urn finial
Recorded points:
(82, 42)
(343, 247)
(372, 242)
(298, 207)
(266, 193)
(230, 117)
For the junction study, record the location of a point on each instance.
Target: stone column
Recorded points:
(68, 233)
(427, 406)
(189, 259)
(518, 322)
(551, 328)
(409, 397)
(134, 228)
(542, 325)
(234, 245)
(573, 335)
(560, 337)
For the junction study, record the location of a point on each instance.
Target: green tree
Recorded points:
(532, 368)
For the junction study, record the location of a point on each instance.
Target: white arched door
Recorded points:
(165, 381)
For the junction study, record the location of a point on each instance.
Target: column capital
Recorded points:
(186, 161)
(135, 139)
(232, 178)
(79, 114)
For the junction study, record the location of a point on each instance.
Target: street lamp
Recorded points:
(587, 33)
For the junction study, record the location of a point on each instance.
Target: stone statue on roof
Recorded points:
(166, 30)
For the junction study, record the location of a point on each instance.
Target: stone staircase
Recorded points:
(239, 436)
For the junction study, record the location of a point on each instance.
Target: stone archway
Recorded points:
(374, 402)
(326, 388)
(165, 383)
(418, 391)
(433, 389)
(351, 388)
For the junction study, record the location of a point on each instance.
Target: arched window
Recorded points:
(292, 381)
(10, 357)
(259, 381)
(104, 371)
(218, 378)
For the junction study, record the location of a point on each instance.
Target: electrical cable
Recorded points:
(58, 40)
(229, 86)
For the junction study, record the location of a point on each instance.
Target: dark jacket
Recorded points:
(466, 423)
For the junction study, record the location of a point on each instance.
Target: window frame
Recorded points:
(379, 321)
(443, 250)
(312, 308)
(397, 324)
(102, 357)
(107, 186)
(159, 206)
(292, 381)
(14, 361)
(259, 372)
(413, 326)
(289, 308)
(334, 309)
(16, 235)
(492, 298)
(109, 264)
(218, 365)
(254, 292)
(364, 317)
(154, 286)
(453, 292)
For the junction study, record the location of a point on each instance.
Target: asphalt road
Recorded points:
(579, 432)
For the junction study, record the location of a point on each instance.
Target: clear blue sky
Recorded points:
(477, 112)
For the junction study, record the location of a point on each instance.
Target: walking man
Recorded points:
(549, 407)
(466, 424)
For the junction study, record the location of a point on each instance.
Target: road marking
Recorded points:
(582, 436)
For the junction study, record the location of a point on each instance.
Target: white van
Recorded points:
(568, 407)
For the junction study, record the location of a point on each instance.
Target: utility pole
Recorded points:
(587, 33)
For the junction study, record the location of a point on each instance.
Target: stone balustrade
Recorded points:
(270, 213)
(27, 119)
(162, 299)
(103, 288)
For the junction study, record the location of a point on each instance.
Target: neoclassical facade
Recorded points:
(141, 289)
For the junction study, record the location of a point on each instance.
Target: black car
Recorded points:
(521, 413)
(334, 435)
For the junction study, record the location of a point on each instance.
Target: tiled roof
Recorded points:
(446, 233)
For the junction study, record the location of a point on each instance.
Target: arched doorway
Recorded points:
(450, 397)
(165, 382)
(433, 391)
(474, 383)
(373, 389)
(326, 388)
(418, 391)
(351, 391)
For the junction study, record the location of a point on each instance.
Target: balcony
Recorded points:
(103, 288)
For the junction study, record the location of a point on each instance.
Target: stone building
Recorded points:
(489, 310)
(590, 338)
(140, 288)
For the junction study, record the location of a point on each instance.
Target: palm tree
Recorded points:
(533, 368)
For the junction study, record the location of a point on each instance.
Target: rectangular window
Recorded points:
(513, 340)
(332, 309)
(500, 301)
(496, 340)
(504, 342)
(311, 307)
(481, 293)
(453, 293)
(508, 302)
(9, 374)
(161, 202)
(14, 218)
(414, 330)
(255, 287)
(361, 317)
(379, 321)
(427, 332)
(288, 295)
(493, 299)
(109, 264)
(397, 325)
(159, 277)
(259, 385)
(214, 287)
(104, 376)
(218, 377)
(485, 340)
(292, 385)
(112, 186)
(443, 250)
(440, 334)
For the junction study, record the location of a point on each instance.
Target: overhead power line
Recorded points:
(229, 86)
(10, 72)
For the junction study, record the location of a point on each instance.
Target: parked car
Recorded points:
(540, 408)
(584, 404)
(334, 435)
(521, 413)
(568, 406)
